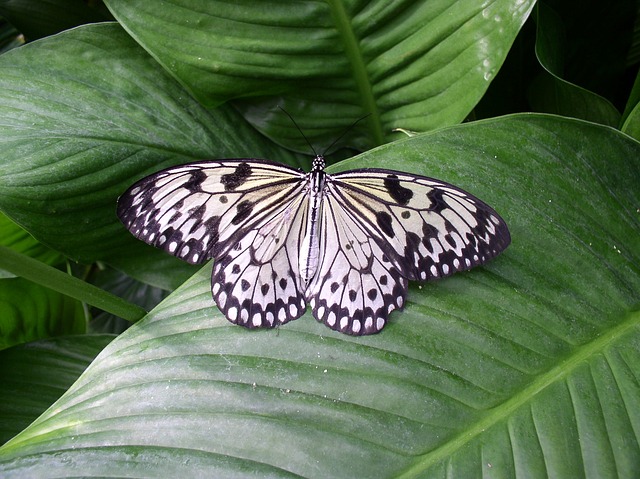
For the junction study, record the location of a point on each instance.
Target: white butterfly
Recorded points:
(347, 244)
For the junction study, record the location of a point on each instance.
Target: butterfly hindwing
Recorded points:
(426, 227)
(255, 284)
(356, 286)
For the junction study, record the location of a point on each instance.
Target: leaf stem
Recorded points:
(50, 277)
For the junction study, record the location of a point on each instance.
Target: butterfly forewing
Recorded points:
(425, 227)
(199, 211)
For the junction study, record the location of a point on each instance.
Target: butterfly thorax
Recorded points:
(318, 164)
(310, 247)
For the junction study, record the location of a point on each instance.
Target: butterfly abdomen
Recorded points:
(310, 247)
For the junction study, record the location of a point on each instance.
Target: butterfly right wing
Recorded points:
(199, 211)
(356, 286)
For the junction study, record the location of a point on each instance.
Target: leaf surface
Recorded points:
(527, 367)
(411, 65)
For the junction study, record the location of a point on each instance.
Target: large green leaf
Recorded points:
(80, 122)
(414, 65)
(527, 367)
(33, 376)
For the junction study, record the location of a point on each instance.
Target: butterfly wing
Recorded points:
(200, 210)
(426, 227)
(244, 213)
(355, 286)
(382, 228)
(256, 283)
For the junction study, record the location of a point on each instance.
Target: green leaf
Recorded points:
(631, 125)
(29, 312)
(412, 65)
(550, 92)
(39, 18)
(527, 367)
(125, 287)
(67, 284)
(33, 376)
(14, 237)
(81, 122)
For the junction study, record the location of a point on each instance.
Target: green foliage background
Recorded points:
(527, 367)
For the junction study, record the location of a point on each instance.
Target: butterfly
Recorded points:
(346, 244)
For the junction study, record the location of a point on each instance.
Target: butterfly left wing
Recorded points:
(199, 211)
(382, 228)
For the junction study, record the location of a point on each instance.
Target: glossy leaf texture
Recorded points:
(527, 367)
(80, 122)
(407, 64)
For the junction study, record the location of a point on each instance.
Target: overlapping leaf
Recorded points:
(80, 121)
(412, 65)
(551, 92)
(37, 374)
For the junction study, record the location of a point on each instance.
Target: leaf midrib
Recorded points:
(581, 355)
(358, 67)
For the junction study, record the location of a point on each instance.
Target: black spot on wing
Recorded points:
(194, 184)
(176, 216)
(398, 192)
(383, 219)
(231, 181)
(436, 198)
(243, 210)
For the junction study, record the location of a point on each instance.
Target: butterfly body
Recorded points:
(345, 244)
(310, 248)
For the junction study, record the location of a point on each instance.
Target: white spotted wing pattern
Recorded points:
(346, 244)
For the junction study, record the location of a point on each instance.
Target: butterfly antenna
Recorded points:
(300, 130)
(347, 130)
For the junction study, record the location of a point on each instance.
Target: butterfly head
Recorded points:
(318, 164)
